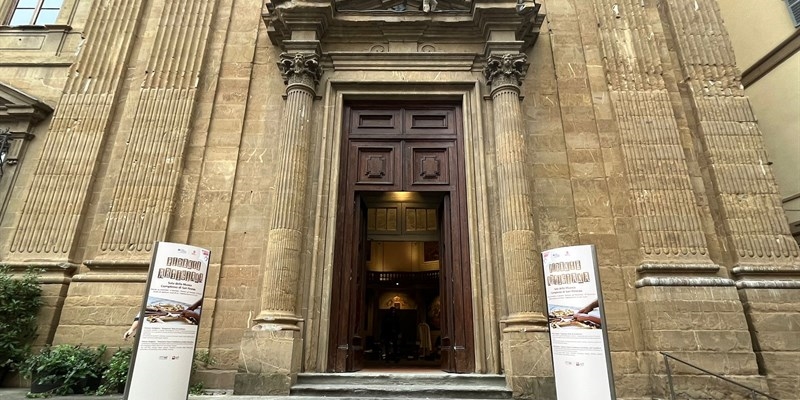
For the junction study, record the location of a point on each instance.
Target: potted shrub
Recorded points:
(20, 300)
(65, 369)
(116, 374)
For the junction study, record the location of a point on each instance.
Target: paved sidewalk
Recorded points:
(19, 394)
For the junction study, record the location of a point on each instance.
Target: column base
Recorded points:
(528, 364)
(268, 362)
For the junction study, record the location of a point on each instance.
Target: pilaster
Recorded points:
(764, 257)
(49, 225)
(677, 279)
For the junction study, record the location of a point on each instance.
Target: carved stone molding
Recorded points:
(19, 112)
(339, 21)
(300, 69)
(508, 69)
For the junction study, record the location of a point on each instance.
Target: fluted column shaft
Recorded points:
(284, 243)
(522, 275)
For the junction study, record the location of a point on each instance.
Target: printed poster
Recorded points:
(168, 324)
(578, 337)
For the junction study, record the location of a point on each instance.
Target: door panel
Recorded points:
(429, 166)
(347, 343)
(457, 333)
(375, 166)
(375, 121)
(358, 288)
(430, 121)
(446, 288)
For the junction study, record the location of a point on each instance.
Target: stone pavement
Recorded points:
(19, 394)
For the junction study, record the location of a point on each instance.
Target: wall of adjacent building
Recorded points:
(756, 29)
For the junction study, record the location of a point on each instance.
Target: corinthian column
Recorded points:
(525, 343)
(271, 352)
(301, 72)
(522, 276)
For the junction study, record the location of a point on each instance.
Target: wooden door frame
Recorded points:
(387, 138)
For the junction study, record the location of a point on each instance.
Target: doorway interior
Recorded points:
(402, 303)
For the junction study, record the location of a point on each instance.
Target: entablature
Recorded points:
(335, 24)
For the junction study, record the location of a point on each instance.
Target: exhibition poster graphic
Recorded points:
(578, 337)
(168, 323)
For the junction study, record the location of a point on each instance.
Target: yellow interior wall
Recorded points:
(399, 257)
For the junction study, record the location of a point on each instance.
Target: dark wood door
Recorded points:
(457, 347)
(399, 147)
(358, 287)
(346, 353)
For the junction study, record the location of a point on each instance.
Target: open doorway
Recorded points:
(401, 198)
(403, 307)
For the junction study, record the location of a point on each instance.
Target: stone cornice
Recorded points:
(381, 26)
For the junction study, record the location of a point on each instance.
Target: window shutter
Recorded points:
(794, 9)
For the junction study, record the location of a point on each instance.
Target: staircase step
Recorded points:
(402, 379)
(401, 386)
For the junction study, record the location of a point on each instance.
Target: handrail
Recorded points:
(672, 391)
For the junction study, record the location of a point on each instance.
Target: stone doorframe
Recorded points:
(318, 280)
(475, 56)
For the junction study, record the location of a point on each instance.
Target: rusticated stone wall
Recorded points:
(762, 255)
(56, 201)
(140, 167)
(581, 189)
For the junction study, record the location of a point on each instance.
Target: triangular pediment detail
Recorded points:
(16, 104)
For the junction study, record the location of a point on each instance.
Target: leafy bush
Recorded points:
(20, 301)
(116, 374)
(70, 368)
(201, 360)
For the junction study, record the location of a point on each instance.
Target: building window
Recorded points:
(34, 12)
(794, 10)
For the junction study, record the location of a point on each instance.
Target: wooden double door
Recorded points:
(390, 148)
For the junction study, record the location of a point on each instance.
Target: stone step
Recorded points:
(381, 378)
(401, 386)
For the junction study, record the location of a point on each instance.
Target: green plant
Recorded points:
(116, 374)
(20, 301)
(67, 368)
(201, 360)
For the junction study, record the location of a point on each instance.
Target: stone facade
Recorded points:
(218, 123)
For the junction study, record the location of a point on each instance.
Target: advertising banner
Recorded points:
(581, 359)
(169, 320)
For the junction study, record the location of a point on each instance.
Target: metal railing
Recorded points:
(753, 392)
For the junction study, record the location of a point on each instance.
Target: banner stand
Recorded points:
(577, 324)
(169, 322)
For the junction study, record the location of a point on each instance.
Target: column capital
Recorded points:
(506, 69)
(300, 69)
